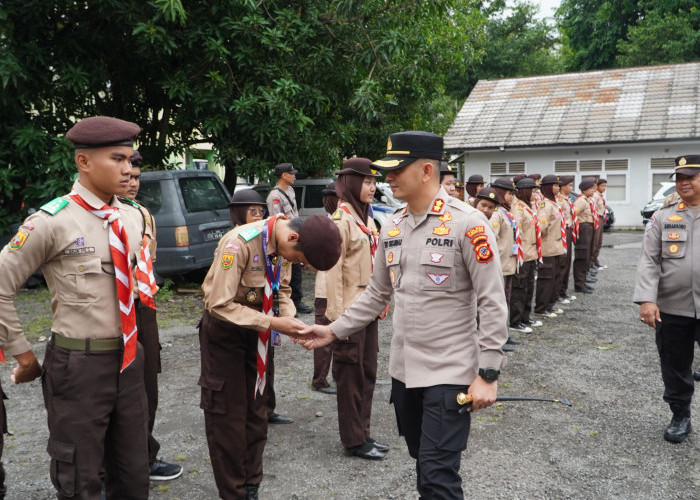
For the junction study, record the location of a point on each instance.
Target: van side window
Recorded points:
(203, 193)
(151, 195)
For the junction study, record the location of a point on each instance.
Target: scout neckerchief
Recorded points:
(370, 234)
(119, 248)
(271, 301)
(574, 227)
(518, 247)
(538, 229)
(594, 212)
(563, 228)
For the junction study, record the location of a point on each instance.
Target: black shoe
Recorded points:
(164, 471)
(366, 450)
(378, 445)
(325, 390)
(696, 375)
(678, 429)
(584, 289)
(276, 418)
(591, 279)
(507, 348)
(513, 341)
(251, 492)
(303, 308)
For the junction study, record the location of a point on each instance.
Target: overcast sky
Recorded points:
(547, 7)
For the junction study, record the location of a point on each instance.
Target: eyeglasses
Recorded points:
(257, 211)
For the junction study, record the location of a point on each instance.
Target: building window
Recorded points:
(501, 169)
(615, 171)
(661, 170)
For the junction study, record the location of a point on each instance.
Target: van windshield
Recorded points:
(203, 193)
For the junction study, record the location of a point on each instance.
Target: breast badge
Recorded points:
(438, 279)
(436, 257)
(673, 236)
(441, 230)
(226, 260)
(675, 218)
(251, 295)
(446, 217)
(393, 232)
(390, 257)
(681, 205)
(673, 249)
(19, 239)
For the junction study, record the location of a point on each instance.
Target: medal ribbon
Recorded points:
(119, 248)
(270, 305)
(516, 235)
(538, 231)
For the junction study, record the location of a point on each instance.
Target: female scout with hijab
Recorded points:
(524, 279)
(508, 237)
(475, 183)
(553, 228)
(355, 358)
(323, 355)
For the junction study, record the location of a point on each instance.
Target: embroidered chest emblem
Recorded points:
(438, 279)
(675, 218)
(446, 217)
(393, 232)
(390, 257)
(436, 257)
(673, 248)
(673, 236)
(441, 230)
(681, 205)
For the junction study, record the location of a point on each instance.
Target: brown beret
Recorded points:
(102, 131)
(136, 160)
(586, 183)
(321, 242)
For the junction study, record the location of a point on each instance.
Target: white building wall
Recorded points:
(638, 189)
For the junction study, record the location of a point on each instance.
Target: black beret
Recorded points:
(403, 148)
(586, 183)
(476, 179)
(488, 194)
(102, 131)
(321, 241)
(358, 166)
(136, 160)
(446, 168)
(550, 179)
(503, 183)
(566, 179)
(601, 181)
(329, 189)
(535, 176)
(687, 165)
(246, 197)
(283, 168)
(526, 183)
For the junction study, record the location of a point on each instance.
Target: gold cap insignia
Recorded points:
(387, 163)
(388, 144)
(682, 162)
(492, 195)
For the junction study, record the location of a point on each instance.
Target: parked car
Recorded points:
(191, 212)
(609, 212)
(310, 199)
(657, 201)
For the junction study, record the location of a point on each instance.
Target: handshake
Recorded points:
(308, 336)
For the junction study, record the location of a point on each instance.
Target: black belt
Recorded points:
(114, 344)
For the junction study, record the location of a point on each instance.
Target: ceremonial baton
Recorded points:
(466, 399)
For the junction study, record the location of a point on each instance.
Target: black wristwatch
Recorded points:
(489, 374)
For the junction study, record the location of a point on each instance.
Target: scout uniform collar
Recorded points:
(272, 237)
(92, 200)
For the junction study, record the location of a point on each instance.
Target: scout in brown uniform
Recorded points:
(148, 337)
(566, 185)
(323, 355)
(355, 357)
(447, 178)
(599, 196)
(437, 259)
(551, 224)
(474, 184)
(585, 208)
(93, 369)
(247, 300)
(668, 291)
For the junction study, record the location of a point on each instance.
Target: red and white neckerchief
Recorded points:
(605, 206)
(538, 230)
(372, 236)
(145, 279)
(516, 236)
(574, 224)
(594, 212)
(563, 228)
(119, 248)
(270, 305)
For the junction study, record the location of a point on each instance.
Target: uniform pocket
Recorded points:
(454, 427)
(63, 470)
(545, 270)
(346, 351)
(674, 243)
(213, 399)
(437, 266)
(80, 279)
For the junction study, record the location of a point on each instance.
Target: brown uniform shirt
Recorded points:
(668, 273)
(278, 203)
(235, 284)
(550, 225)
(600, 203)
(72, 249)
(350, 276)
(566, 207)
(439, 267)
(528, 231)
(505, 239)
(583, 209)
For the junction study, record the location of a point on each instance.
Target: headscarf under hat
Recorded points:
(349, 184)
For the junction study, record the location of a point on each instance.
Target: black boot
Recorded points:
(680, 427)
(696, 375)
(251, 492)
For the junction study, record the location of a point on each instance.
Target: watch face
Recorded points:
(490, 374)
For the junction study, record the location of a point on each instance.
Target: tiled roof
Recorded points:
(622, 105)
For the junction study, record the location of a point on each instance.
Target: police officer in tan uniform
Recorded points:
(437, 259)
(584, 206)
(548, 272)
(149, 338)
(242, 311)
(93, 373)
(668, 291)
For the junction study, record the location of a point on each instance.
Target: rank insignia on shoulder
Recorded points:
(441, 230)
(681, 205)
(474, 231)
(19, 239)
(249, 234)
(337, 215)
(226, 260)
(54, 206)
(673, 249)
(438, 279)
(673, 236)
(437, 205)
(393, 232)
(675, 218)
(446, 217)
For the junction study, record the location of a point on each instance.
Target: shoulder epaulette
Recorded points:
(127, 200)
(337, 215)
(248, 234)
(54, 206)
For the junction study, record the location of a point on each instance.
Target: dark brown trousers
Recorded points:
(582, 253)
(565, 263)
(96, 416)
(523, 287)
(547, 281)
(270, 383)
(597, 241)
(3, 428)
(355, 374)
(235, 418)
(149, 339)
(322, 355)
